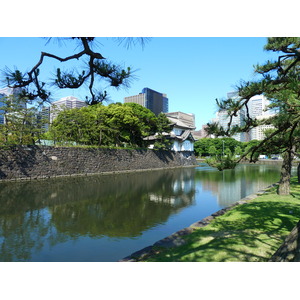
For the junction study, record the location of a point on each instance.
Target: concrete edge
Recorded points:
(175, 239)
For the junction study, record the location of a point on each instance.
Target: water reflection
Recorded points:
(236, 184)
(53, 211)
(105, 218)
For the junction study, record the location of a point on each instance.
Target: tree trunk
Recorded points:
(298, 172)
(285, 175)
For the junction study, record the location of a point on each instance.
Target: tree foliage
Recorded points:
(201, 147)
(113, 125)
(21, 125)
(163, 129)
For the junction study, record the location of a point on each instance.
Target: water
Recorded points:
(105, 218)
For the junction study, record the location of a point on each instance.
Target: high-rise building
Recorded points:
(64, 103)
(44, 116)
(6, 92)
(223, 120)
(258, 106)
(155, 101)
(258, 133)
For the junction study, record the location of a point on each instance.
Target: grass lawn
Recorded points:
(250, 232)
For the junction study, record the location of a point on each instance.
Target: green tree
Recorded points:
(238, 151)
(212, 150)
(147, 123)
(203, 145)
(117, 124)
(163, 130)
(21, 125)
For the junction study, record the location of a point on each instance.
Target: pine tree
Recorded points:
(280, 83)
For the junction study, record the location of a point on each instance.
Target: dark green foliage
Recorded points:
(202, 146)
(163, 129)
(22, 125)
(121, 125)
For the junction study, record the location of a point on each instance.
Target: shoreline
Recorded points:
(175, 239)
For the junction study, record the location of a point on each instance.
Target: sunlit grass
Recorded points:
(249, 232)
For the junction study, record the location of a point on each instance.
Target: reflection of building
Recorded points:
(230, 186)
(155, 101)
(64, 103)
(180, 192)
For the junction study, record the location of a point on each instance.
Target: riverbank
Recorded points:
(262, 161)
(250, 230)
(38, 162)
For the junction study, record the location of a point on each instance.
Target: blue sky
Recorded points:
(192, 71)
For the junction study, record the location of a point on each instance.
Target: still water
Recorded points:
(107, 217)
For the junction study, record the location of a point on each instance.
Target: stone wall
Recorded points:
(32, 162)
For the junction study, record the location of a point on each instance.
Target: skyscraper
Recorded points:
(6, 92)
(258, 106)
(153, 100)
(223, 120)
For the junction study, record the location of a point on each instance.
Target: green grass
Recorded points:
(250, 232)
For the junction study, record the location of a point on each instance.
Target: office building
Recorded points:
(153, 100)
(258, 106)
(64, 103)
(6, 92)
(44, 117)
(258, 133)
(239, 120)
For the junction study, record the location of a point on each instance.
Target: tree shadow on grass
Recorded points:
(250, 232)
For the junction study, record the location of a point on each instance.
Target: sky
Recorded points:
(192, 71)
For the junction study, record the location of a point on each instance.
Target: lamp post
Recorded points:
(223, 147)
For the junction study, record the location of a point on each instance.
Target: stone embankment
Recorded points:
(33, 162)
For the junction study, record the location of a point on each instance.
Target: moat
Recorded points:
(107, 217)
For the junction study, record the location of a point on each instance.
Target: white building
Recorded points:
(64, 103)
(258, 133)
(182, 126)
(181, 134)
(258, 106)
(6, 92)
(223, 120)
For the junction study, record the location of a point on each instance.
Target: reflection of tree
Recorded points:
(56, 210)
(232, 185)
(124, 206)
(246, 172)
